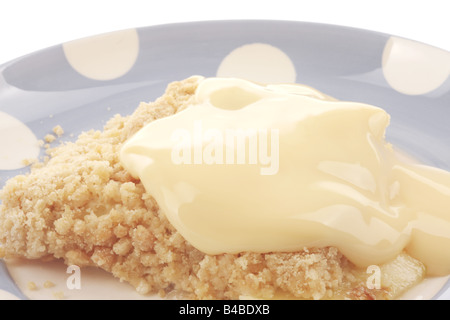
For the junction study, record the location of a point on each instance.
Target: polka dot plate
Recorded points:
(79, 85)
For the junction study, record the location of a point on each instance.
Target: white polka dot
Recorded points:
(258, 62)
(17, 143)
(104, 57)
(5, 295)
(414, 68)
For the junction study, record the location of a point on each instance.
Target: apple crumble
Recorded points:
(83, 207)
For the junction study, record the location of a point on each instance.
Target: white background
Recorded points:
(30, 25)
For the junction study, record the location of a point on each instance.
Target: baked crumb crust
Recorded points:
(83, 207)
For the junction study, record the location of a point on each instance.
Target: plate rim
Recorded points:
(222, 21)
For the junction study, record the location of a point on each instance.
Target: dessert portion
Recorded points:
(268, 168)
(84, 207)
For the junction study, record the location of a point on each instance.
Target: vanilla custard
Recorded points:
(275, 168)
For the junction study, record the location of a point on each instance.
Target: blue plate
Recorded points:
(81, 84)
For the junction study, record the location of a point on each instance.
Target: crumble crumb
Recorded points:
(58, 130)
(29, 161)
(48, 284)
(59, 295)
(31, 286)
(49, 138)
